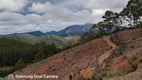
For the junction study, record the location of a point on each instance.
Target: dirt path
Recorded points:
(108, 53)
(107, 39)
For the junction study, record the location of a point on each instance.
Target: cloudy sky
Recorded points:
(17, 16)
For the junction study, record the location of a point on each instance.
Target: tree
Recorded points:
(20, 64)
(133, 11)
(111, 21)
(109, 15)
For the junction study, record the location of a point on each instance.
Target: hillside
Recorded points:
(57, 40)
(105, 58)
(21, 37)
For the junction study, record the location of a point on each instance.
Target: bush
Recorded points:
(70, 77)
(122, 48)
(134, 68)
(133, 58)
(134, 65)
(80, 77)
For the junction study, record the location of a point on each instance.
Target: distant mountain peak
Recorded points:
(73, 30)
(36, 33)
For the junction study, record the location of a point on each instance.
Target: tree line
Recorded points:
(129, 18)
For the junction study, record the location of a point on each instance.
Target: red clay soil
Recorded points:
(125, 62)
(107, 53)
(119, 65)
(127, 36)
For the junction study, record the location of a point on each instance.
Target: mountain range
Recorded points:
(57, 37)
(74, 30)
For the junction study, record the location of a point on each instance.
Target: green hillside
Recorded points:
(57, 40)
(21, 37)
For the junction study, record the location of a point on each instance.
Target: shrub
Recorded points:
(80, 77)
(134, 65)
(70, 77)
(134, 68)
(54, 70)
(140, 61)
(122, 48)
(65, 59)
(133, 58)
(50, 67)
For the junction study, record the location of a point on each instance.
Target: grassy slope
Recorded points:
(57, 40)
(21, 37)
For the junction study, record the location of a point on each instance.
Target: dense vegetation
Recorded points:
(129, 18)
(11, 51)
(18, 54)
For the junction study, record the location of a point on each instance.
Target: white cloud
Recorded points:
(12, 5)
(101, 4)
(41, 8)
(57, 15)
(99, 11)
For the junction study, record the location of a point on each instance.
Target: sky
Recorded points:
(18, 16)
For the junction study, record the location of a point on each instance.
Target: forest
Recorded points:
(18, 54)
(11, 51)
